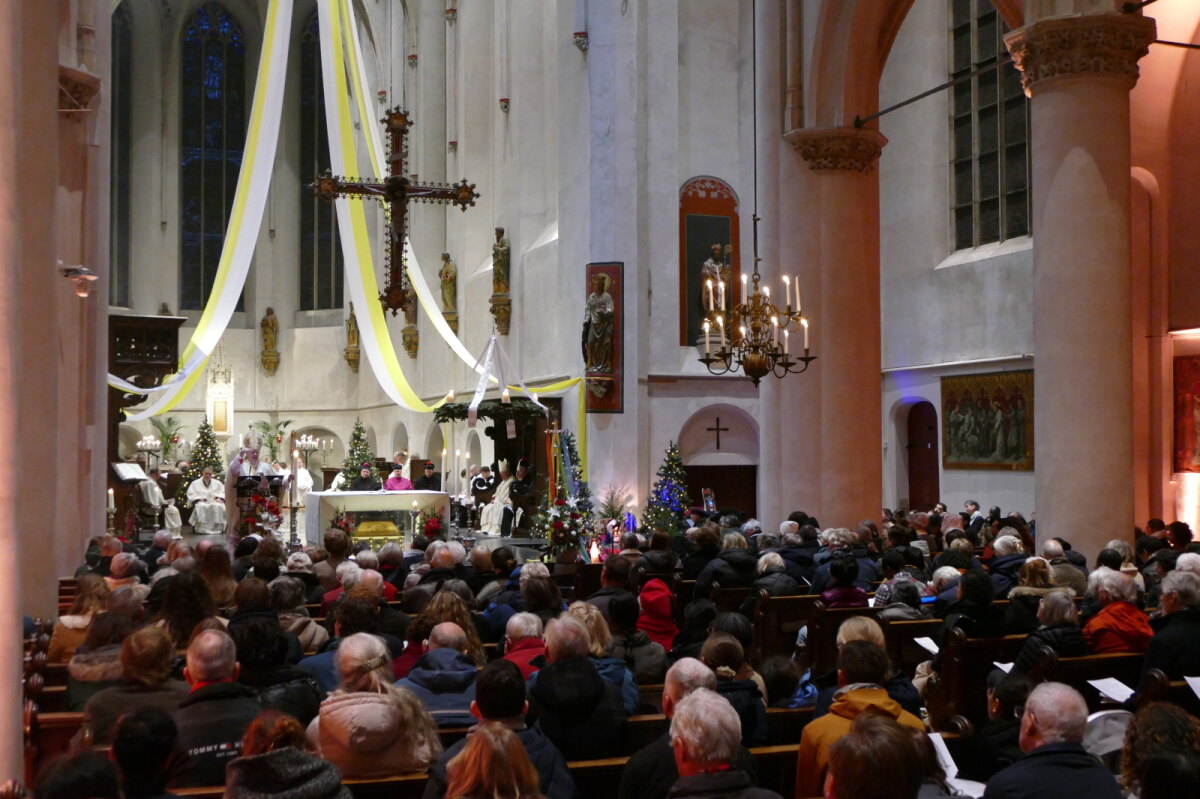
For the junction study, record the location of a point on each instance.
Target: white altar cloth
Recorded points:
(322, 506)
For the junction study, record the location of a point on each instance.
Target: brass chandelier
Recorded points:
(752, 333)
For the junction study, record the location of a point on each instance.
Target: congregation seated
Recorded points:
(658, 557)
(1058, 629)
(367, 560)
(651, 771)
(698, 617)
(633, 646)
(657, 613)
(740, 628)
(614, 669)
(72, 627)
(896, 570)
(580, 711)
(147, 657)
(262, 652)
(1062, 571)
(1156, 728)
(504, 561)
(217, 571)
(336, 545)
(214, 715)
(799, 546)
(392, 566)
(354, 615)
(186, 603)
(881, 759)
(1033, 584)
(614, 582)
(705, 742)
(346, 574)
(707, 540)
(845, 544)
(275, 762)
(905, 604)
(1055, 763)
(996, 742)
(493, 763)
(288, 602)
(126, 570)
(85, 773)
(974, 610)
(252, 601)
(96, 664)
(735, 567)
(444, 678)
(841, 583)
(897, 685)
(143, 745)
(157, 551)
(369, 726)
(1009, 559)
(1175, 646)
(1118, 626)
(724, 655)
(500, 700)
(523, 643)
(772, 578)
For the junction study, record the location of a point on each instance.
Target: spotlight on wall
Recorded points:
(81, 276)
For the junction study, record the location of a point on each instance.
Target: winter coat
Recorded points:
(444, 681)
(1175, 647)
(523, 652)
(243, 616)
(69, 634)
(898, 687)
(288, 689)
(867, 572)
(1118, 627)
(977, 621)
(285, 773)
(364, 736)
(651, 771)
(695, 563)
(655, 561)
(798, 562)
(604, 596)
(731, 784)
(776, 581)
(1004, 572)
(1068, 575)
(994, 746)
(1052, 771)
(89, 673)
(212, 720)
(819, 734)
(616, 672)
(842, 597)
(1023, 604)
(555, 780)
(102, 710)
(311, 635)
(747, 700)
(580, 711)
(733, 568)
(647, 659)
(898, 611)
(1066, 640)
(657, 618)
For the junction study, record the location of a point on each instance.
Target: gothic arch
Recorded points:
(399, 438)
(739, 442)
(319, 460)
(434, 443)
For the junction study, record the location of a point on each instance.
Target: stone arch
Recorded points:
(897, 425)
(474, 448)
(399, 438)
(435, 442)
(330, 455)
(739, 444)
(127, 439)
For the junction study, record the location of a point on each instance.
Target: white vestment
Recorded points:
(492, 514)
(152, 495)
(208, 505)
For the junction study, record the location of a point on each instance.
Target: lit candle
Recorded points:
(767, 292)
(805, 323)
(743, 288)
(294, 491)
(721, 293)
(775, 329)
(721, 325)
(710, 294)
(505, 397)
(742, 331)
(112, 501)
(707, 343)
(450, 395)
(786, 349)
(787, 290)
(534, 395)
(799, 307)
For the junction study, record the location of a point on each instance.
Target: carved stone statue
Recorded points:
(500, 263)
(410, 306)
(448, 274)
(270, 330)
(351, 328)
(716, 268)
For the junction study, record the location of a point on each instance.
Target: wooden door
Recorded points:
(923, 480)
(734, 486)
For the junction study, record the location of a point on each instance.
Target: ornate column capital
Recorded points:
(1092, 45)
(854, 149)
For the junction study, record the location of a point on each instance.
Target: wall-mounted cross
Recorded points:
(718, 430)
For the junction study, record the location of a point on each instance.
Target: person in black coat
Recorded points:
(708, 546)
(846, 541)
(261, 653)
(1175, 647)
(735, 567)
(1005, 567)
(772, 578)
(1059, 631)
(996, 743)
(724, 655)
(1055, 763)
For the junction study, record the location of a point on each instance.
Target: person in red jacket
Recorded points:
(523, 643)
(1119, 626)
(657, 619)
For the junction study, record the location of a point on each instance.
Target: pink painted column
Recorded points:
(845, 317)
(1078, 72)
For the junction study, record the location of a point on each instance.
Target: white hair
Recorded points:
(1188, 562)
(1051, 549)
(367, 559)
(943, 575)
(1057, 607)
(211, 656)
(534, 568)
(708, 727)
(299, 562)
(1123, 547)
(751, 526)
(789, 528)
(1185, 585)
(523, 625)
(1060, 712)
(686, 676)
(567, 637)
(458, 551)
(162, 536)
(371, 579)
(1006, 544)
(122, 564)
(842, 538)
(768, 560)
(348, 573)
(1120, 587)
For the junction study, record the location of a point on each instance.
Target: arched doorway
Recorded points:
(719, 448)
(326, 460)
(924, 487)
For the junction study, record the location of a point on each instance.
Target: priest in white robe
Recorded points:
(207, 497)
(152, 495)
(492, 516)
(246, 464)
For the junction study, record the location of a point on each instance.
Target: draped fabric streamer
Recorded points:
(485, 364)
(249, 200)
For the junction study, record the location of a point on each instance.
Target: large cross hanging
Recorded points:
(396, 190)
(718, 429)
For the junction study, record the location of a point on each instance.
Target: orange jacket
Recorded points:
(1118, 627)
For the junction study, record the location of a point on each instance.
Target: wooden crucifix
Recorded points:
(718, 430)
(396, 190)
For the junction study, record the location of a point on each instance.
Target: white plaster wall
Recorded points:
(939, 306)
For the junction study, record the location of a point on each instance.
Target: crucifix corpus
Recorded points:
(718, 430)
(395, 191)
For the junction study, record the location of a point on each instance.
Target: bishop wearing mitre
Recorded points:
(207, 497)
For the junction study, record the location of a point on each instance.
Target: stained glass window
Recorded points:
(119, 211)
(211, 138)
(320, 253)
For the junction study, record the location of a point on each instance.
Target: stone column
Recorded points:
(1078, 72)
(845, 318)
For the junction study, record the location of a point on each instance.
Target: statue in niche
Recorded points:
(351, 328)
(598, 327)
(270, 330)
(448, 274)
(410, 305)
(500, 263)
(716, 268)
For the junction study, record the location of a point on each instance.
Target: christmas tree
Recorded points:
(358, 453)
(669, 499)
(206, 454)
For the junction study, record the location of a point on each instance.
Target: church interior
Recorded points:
(320, 220)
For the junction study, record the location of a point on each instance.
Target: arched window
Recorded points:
(320, 255)
(211, 138)
(119, 101)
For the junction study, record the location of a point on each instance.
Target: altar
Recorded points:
(323, 506)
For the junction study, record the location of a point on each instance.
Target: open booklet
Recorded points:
(967, 787)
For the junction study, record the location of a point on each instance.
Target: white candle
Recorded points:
(805, 323)
(743, 288)
(787, 290)
(112, 502)
(710, 294)
(775, 329)
(721, 293)
(707, 344)
(742, 331)
(450, 395)
(786, 349)
(294, 493)
(767, 292)
(505, 397)
(721, 325)
(799, 307)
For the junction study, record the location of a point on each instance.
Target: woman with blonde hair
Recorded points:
(1034, 582)
(493, 765)
(615, 670)
(71, 629)
(371, 727)
(898, 687)
(449, 606)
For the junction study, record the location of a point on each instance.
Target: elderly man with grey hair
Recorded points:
(1175, 647)
(214, 716)
(1119, 626)
(157, 551)
(706, 744)
(651, 771)
(1055, 763)
(1062, 571)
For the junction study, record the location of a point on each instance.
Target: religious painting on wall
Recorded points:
(603, 338)
(708, 234)
(987, 421)
(1186, 437)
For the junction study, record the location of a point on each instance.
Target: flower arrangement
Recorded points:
(432, 527)
(563, 525)
(264, 512)
(342, 522)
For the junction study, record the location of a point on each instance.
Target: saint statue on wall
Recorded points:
(598, 326)
(500, 263)
(448, 275)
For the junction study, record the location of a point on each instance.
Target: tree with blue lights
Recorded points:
(669, 498)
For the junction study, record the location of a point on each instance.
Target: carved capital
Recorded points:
(850, 149)
(1092, 45)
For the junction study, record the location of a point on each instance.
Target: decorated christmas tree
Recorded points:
(206, 454)
(358, 453)
(669, 499)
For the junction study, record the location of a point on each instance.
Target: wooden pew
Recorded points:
(728, 600)
(1075, 672)
(651, 698)
(777, 620)
(46, 735)
(961, 685)
(1157, 687)
(900, 637)
(684, 591)
(823, 624)
(784, 724)
(587, 579)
